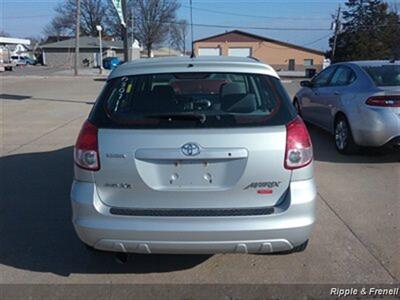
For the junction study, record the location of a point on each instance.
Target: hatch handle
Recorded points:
(204, 153)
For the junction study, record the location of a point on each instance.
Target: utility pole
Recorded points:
(78, 15)
(191, 28)
(100, 60)
(337, 28)
(132, 35)
(132, 25)
(125, 31)
(184, 33)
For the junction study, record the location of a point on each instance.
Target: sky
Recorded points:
(303, 22)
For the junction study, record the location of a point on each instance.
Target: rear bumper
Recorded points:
(376, 126)
(281, 231)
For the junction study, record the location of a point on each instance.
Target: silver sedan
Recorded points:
(358, 102)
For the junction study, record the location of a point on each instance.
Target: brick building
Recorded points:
(282, 56)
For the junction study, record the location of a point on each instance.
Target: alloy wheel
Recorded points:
(341, 134)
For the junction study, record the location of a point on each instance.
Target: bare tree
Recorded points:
(93, 12)
(178, 35)
(54, 28)
(153, 21)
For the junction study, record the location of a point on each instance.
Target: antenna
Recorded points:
(191, 29)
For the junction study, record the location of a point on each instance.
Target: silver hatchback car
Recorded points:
(194, 155)
(359, 102)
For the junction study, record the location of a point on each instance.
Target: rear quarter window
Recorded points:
(192, 100)
(385, 75)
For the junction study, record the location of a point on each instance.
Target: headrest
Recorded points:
(164, 90)
(239, 103)
(231, 88)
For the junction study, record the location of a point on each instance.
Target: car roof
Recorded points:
(185, 64)
(374, 63)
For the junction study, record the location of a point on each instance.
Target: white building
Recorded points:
(13, 46)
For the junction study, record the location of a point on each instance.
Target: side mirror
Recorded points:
(306, 83)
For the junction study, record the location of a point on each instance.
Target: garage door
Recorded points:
(243, 52)
(209, 51)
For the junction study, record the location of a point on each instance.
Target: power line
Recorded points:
(255, 28)
(317, 40)
(276, 1)
(206, 10)
(253, 16)
(272, 28)
(216, 25)
(301, 45)
(25, 17)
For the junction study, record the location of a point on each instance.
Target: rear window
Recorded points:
(387, 75)
(192, 100)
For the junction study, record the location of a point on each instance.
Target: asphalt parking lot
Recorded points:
(356, 238)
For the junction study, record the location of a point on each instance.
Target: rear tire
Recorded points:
(344, 141)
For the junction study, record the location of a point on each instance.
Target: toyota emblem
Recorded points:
(190, 149)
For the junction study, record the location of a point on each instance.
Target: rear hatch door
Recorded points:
(216, 168)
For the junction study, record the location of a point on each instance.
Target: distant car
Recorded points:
(194, 155)
(23, 60)
(359, 102)
(110, 63)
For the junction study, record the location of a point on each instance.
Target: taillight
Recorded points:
(86, 152)
(299, 152)
(384, 101)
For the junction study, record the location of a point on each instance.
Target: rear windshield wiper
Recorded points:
(179, 116)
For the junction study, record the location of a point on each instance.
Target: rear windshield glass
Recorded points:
(187, 100)
(388, 75)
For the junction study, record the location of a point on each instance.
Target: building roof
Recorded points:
(243, 36)
(57, 38)
(10, 40)
(84, 42)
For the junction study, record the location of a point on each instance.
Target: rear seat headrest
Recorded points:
(164, 91)
(231, 88)
(239, 103)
